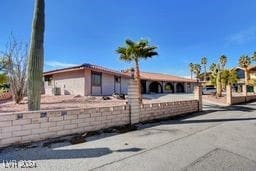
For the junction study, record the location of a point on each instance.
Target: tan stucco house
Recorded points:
(87, 79)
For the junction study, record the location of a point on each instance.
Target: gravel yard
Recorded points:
(61, 102)
(69, 101)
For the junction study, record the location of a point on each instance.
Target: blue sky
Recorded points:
(89, 31)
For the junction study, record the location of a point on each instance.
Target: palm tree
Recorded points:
(223, 61)
(245, 62)
(36, 57)
(191, 69)
(213, 67)
(204, 62)
(135, 51)
(254, 57)
(197, 70)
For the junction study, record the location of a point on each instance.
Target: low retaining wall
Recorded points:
(163, 110)
(17, 128)
(243, 99)
(25, 127)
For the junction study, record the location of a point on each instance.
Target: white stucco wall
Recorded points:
(87, 87)
(48, 88)
(79, 83)
(70, 82)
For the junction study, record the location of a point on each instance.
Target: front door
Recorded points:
(117, 85)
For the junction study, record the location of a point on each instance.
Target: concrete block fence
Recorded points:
(168, 109)
(23, 127)
(245, 97)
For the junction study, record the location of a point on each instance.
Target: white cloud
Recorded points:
(57, 64)
(243, 36)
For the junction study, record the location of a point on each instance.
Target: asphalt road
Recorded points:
(220, 138)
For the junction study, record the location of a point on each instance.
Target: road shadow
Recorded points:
(40, 153)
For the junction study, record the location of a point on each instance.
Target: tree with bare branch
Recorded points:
(13, 62)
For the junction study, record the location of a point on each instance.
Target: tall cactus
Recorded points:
(36, 57)
(218, 82)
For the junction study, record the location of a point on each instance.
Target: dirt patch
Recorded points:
(62, 102)
(214, 99)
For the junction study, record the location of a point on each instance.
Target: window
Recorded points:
(48, 80)
(117, 79)
(96, 79)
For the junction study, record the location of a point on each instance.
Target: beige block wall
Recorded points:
(17, 128)
(33, 127)
(70, 83)
(238, 99)
(163, 110)
(243, 99)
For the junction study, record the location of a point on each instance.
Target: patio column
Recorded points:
(229, 94)
(174, 87)
(133, 102)
(147, 86)
(186, 87)
(254, 89)
(244, 90)
(198, 96)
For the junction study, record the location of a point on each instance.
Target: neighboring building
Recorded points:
(241, 74)
(208, 79)
(86, 80)
(252, 73)
(90, 79)
(241, 78)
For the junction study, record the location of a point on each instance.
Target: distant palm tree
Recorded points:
(204, 62)
(191, 69)
(245, 62)
(213, 67)
(254, 57)
(135, 51)
(223, 61)
(197, 70)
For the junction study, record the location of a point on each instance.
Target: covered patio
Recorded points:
(163, 83)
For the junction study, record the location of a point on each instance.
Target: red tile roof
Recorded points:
(164, 77)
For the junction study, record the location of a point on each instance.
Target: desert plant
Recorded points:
(36, 57)
(191, 69)
(197, 71)
(204, 62)
(216, 79)
(228, 77)
(3, 78)
(14, 65)
(254, 57)
(245, 62)
(223, 61)
(135, 51)
(213, 67)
